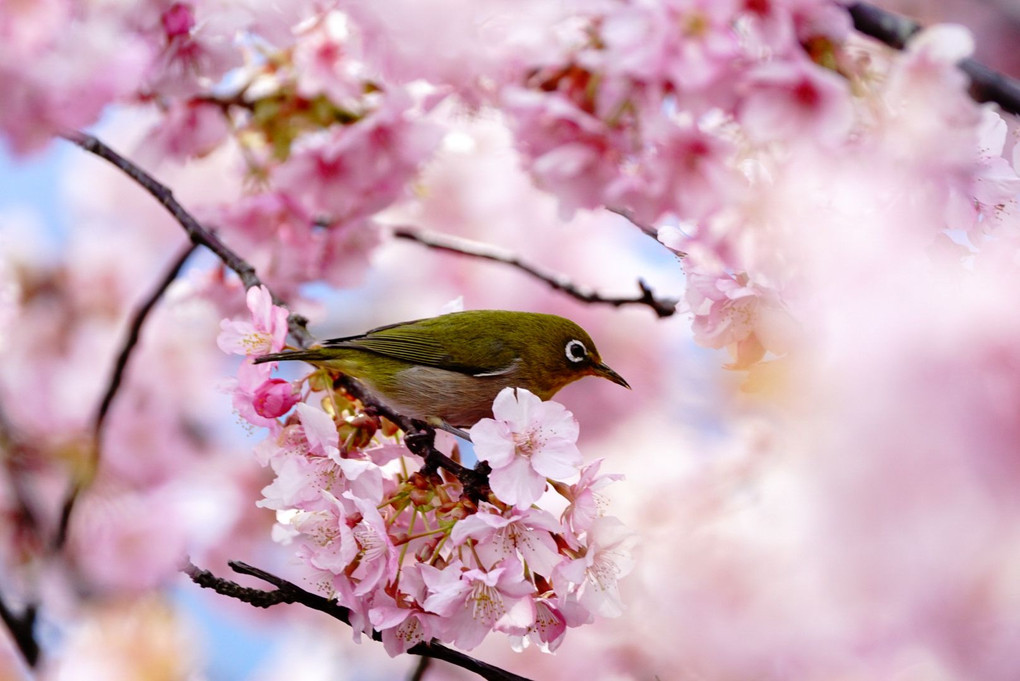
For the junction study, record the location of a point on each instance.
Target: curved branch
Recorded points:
(475, 481)
(895, 31)
(119, 367)
(198, 234)
(288, 592)
(663, 307)
(22, 628)
(420, 439)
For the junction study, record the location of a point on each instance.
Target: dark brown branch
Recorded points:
(629, 216)
(663, 307)
(419, 669)
(22, 628)
(986, 85)
(25, 520)
(196, 232)
(288, 592)
(133, 335)
(112, 387)
(296, 324)
(420, 439)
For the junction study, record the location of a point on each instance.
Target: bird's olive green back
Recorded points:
(471, 342)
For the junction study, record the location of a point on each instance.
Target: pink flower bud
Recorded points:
(274, 398)
(178, 20)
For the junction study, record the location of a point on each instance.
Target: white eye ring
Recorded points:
(572, 351)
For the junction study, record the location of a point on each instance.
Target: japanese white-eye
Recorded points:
(450, 368)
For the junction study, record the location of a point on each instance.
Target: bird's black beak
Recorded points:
(600, 369)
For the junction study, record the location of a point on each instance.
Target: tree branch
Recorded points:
(629, 216)
(288, 592)
(419, 669)
(472, 479)
(420, 438)
(196, 232)
(119, 367)
(895, 31)
(663, 307)
(22, 628)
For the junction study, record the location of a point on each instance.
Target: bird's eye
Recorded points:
(576, 351)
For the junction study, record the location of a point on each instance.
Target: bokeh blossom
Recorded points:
(820, 447)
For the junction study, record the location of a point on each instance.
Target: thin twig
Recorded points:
(22, 628)
(419, 669)
(296, 324)
(896, 31)
(196, 232)
(25, 520)
(133, 335)
(113, 385)
(288, 592)
(420, 438)
(629, 216)
(663, 307)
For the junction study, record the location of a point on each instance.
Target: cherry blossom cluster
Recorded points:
(687, 113)
(412, 554)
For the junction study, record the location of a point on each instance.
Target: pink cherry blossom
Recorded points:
(642, 41)
(59, 67)
(549, 629)
(377, 556)
(197, 47)
(350, 172)
(401, 627)
(795, 100)
(474, 602)
(528, 441)
(586, 503)
(684, 171)
(326, 538)
(732, 312)
(290, 248)
(569, 151)
(251, 378)
(188, 129)
(596, 574)
(266, 331)
(526, 535)
(326, 62)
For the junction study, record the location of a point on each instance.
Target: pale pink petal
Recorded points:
(517, 483)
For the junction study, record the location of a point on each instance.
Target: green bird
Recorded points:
(449, 369)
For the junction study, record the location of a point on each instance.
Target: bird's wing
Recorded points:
(412, 342)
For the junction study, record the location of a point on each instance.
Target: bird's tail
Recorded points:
(289, 355)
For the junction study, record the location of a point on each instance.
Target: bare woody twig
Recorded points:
(25, 521)
(473, 480)
(198, 234)
(113, 385)
(22, 628)
(288, 592)
(419, 669)
(663, 307)
(986, 85)
(420, 439)
(649, 230)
